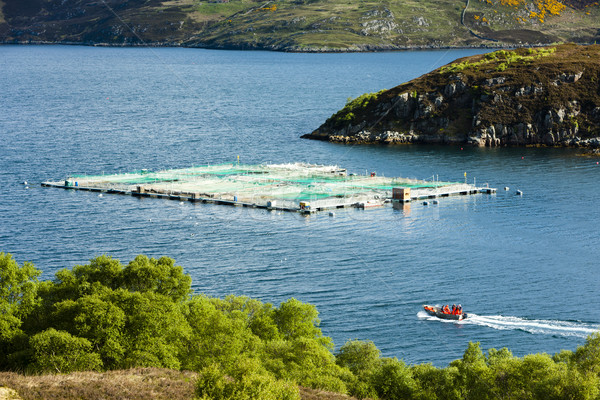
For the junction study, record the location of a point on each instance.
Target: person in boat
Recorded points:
(459, 309)
(446, 309)
(453, 309)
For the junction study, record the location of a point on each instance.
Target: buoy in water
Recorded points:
(100, 195)
(425, 203)
(519, 193)
(331, 214)
(506, 188)
(25, 182)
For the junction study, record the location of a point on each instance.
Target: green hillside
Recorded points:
(301, 25)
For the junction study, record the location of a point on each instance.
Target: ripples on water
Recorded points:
(524, 265)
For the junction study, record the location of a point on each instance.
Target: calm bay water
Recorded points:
(526, 266)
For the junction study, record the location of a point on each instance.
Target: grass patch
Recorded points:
(220, 8)
(353, 106)
(502, 58)
(133, 384)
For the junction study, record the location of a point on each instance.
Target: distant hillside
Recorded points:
(301, 25)
(545, 96)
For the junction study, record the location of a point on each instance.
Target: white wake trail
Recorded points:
(534, 326)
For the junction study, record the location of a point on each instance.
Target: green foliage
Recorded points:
(458, 67)
(353, 106)
(59, 351)
(220, 334)
(503, 59)
(306, 361)
(474, 373)
(502, 67)
(18, 294)
(155, 329)
(213, 384)
(160, 276)
(99, 321)
(436, 383)
(587, 357)
(360, 357)
(106, 316)
(393, 380)
(295, 319)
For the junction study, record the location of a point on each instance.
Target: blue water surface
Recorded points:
(525, 266)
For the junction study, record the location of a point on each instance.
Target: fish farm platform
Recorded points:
(297, 187)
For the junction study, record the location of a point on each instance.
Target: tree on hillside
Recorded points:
(160, 276)
(296, 319)
(18, 294)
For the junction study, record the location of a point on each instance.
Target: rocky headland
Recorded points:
(546, 96)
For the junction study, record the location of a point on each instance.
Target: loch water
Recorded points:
(526, 267)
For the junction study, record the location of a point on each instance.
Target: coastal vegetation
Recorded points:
(527, 96)
(108, 330)
(299, 25)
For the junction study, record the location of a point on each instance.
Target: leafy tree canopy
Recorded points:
(104, 315)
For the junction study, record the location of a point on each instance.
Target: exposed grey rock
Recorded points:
(420, 21)
(499, 80)
(378, 26)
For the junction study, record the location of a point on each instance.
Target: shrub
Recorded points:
(213, 384)
(61, 352)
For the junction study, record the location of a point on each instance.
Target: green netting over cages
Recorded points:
(297, 181)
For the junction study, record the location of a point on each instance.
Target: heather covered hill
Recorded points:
(301, 25)
(544, 96)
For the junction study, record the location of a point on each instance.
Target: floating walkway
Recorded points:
(298, 187)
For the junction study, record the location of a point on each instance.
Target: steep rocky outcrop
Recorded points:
(546, 96)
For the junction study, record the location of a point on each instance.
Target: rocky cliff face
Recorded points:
(548, 96)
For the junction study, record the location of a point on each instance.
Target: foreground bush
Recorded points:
(246, 383)
(107, 316)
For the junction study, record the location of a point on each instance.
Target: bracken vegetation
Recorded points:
(505, 57)
(346, 114)
(142, 323)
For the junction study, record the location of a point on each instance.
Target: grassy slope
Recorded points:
(345, 24)
(297, 25)
(133, 384)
